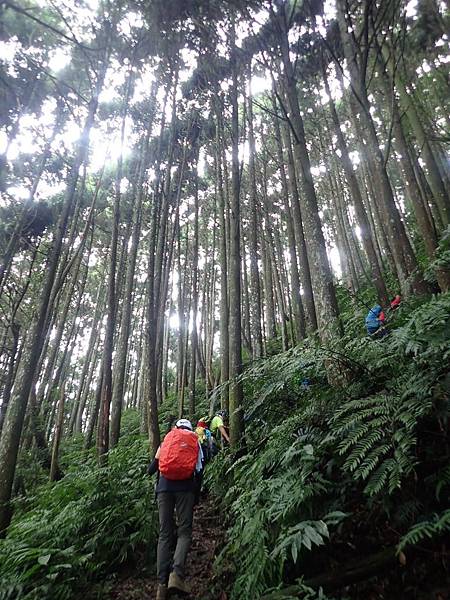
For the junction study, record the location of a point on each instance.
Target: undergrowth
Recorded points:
(329, 474)
(334, 474)
(80, 528)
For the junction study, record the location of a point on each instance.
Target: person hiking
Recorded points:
(205, 438)
(375, 320)
(218, 429)
(179, 464)
(395, 302)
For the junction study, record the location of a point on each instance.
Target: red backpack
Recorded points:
(178, 454)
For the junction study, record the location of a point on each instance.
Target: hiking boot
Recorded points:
(177, 584)
(162, 593)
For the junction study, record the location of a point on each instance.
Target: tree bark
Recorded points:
(12, 428)
(255, 296)
(321, 276)
(299, 328)
(363, 222)
(405, 260)
(234, 274)
(305, 273)
(54, 469)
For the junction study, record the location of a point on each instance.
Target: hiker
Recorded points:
(375, 321)
(395, 302)
(205, 438)
(218, 429)
(179, 463)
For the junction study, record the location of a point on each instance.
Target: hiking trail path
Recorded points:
(207, 536)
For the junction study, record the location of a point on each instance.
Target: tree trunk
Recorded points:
(95, 407)
(223, 253)
(89, 363)
(54, 469)
(299, 328)
(108, 347)
(255, 296)
(363, 222)
(321, 276)
(405, 260)
(195, 292)
(235, 391)
(305, 273)
(14, 358)
(122, 346)
(13, 424)
(408, 108)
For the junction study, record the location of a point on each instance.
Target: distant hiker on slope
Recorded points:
(375, 321)
(218, 429)
(205, 438)
(179, 463)
(395, 302)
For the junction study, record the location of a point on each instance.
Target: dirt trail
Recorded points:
(206, 543)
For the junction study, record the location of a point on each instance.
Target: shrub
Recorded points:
(80, 527)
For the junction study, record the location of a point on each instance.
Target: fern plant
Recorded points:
(376, 435)
(321, 460)
(425, 530)
(79, 528)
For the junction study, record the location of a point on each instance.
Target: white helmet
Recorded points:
(184, 424)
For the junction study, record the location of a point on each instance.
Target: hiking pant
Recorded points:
(183, 504)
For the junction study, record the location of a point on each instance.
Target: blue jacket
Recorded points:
(372, 320)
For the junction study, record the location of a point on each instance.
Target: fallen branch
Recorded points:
(340, 576)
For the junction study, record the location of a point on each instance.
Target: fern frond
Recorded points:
(438, 525)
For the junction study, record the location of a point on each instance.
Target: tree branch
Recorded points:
(26, 13)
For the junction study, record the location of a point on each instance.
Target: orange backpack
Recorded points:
(178, 454)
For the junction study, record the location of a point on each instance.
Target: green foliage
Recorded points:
(424, 530)
(442, 260)
(79, 528)
(321, 460)
(377, 436)
(303, 535)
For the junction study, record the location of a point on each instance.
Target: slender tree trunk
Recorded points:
(224, 306)
(363, 222)
(88, 365)
(279, 289)
(253, 233)
(95, 407)
(107, 380)
(122, 346)
(407, 106)
(305, 273)
(246, 318)
(235, 391)
(321, 276)
(299, 315)
(54, 469)
(195, 292)
(12, 429)
(405, 260)
(14, 358)
(269, 287)
(14, 241)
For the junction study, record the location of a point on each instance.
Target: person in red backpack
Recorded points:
(178, 462)
(395, 302)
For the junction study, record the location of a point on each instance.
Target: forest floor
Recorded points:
(207, 538)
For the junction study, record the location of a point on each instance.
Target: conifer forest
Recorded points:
(203, 203)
